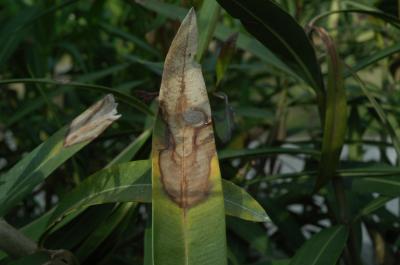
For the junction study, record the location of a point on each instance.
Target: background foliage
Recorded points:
(270, 99)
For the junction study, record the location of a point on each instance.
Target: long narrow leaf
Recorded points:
(34, 168)
(280, 33)
(335, 116)
(388, 186)
(379, 111)
(208, 19)
(128, 99)
(131, 182)
(188, 209)
(222, 33)
(322, 249)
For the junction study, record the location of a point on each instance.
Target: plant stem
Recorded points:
(14, 243)
(351, 256)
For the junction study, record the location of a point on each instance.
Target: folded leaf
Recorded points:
(93, 121)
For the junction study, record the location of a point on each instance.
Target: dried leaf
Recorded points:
(185, 163)
(91, 123)
(188, 207)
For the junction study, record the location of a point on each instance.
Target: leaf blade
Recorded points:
(323, 248)
(280, 33)
(187, 199)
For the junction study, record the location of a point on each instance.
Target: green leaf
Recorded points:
(225, 57)
(208, 19)
(372, 206)
(148, 246)
(222, 33)
(125, 182)
(131, 182)
(288, 227)
(13, 32)
(240, 204)
(323, 248)
(273, 262)
(20, 180)
(128, 99)
(155, 67)
(39, 258)
(280, 33)
(335, 115)
(387, 186)
(266, 151)
(371, 59)
(130, 151)
(103, 230)
(374, 13)
(380, 112)
(125, 35)
(28, 106)
(35, 229)
(252, 233)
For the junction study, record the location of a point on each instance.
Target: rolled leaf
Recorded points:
(335, 115)
(92, 122)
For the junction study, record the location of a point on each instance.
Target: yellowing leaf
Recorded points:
(188, 206)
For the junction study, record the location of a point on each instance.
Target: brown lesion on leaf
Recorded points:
(185, 159)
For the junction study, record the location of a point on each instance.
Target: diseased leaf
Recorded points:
(35, 167)
(92, 122)
(117, 183)
(188, 210)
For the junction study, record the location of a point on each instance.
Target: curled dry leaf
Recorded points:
(92, 122)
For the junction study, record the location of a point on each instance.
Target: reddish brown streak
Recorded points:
(185, 163)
